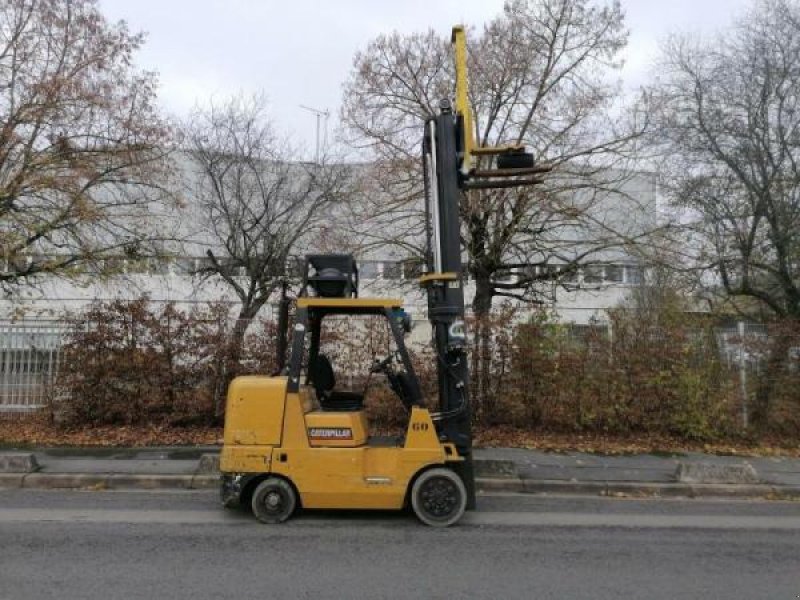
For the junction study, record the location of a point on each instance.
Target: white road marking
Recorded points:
(493, 519)
(634, 521)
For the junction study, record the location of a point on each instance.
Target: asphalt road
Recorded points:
(92, 545)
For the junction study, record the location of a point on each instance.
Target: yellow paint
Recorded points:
(430, 277)
(344, 303)
(294, 423)
(364, 477)
(463, 108)
(421, 432)
(254, 410)
(245, 459)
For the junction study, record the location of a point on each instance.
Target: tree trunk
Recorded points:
(482, 349)
(233, 353)
(770, 377)
(236, 341)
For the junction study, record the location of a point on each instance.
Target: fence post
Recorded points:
(743, 375)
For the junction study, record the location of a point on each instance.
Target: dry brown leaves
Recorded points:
(595, 443)
(38, 431)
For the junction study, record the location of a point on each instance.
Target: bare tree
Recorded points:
(729, 130)
(81, 143)
(540, 76)
(258, 206)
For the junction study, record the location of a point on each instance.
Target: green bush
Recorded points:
(631, 375)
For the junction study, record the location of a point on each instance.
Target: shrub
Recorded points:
(130, 362)
(655, 370)
(635, 374)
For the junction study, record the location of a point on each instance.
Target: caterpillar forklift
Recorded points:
(298, 440)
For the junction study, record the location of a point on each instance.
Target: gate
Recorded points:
(29, 353)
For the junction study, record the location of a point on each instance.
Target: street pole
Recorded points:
(318, 114)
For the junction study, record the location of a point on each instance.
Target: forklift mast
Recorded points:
(451, 160)
(443, 282)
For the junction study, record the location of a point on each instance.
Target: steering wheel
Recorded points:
(380, 366)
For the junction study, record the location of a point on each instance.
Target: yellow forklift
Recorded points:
(297, 440)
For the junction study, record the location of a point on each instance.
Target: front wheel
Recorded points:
(439, 497)
(274, 500)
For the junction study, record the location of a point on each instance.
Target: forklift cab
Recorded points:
(334, 280)
(320, 372)
(339, 419)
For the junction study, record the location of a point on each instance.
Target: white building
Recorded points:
(582, 296)
(32, 317)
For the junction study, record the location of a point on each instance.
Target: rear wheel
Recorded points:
(439, 497)
(274, 500)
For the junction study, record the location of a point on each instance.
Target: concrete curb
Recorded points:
(506, 485)
(64, 481)
(621, 489)
(18, 462)
(510, 485)
(205, 482)
(208, 464)
(149, 482)
(705, 472)
(11, 480)
(106, 481)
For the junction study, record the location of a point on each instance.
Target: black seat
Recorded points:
(323, 379)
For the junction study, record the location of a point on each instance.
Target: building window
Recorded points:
(412, 269)
(633, 275)
(185, 265)
(369, 269)
(392, 270)
(296, 267)
(569, 274)
(614, 273)
(159, 266)
(593, 274)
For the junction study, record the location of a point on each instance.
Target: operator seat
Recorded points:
(324, 380)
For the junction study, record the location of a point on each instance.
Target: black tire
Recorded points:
(439, 497)
(273, 501)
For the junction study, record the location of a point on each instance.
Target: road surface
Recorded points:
(93, 545)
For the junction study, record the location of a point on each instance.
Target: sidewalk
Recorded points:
(498, 470)
(690, 474)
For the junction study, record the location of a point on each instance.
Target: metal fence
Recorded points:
(29, 353)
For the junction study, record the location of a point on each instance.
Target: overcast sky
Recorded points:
(300, 52)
